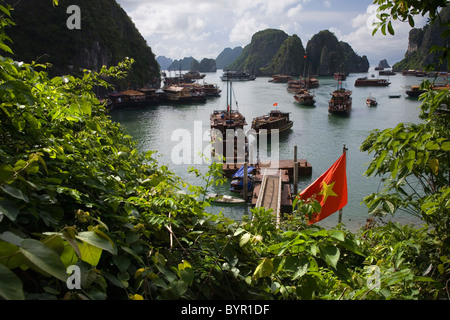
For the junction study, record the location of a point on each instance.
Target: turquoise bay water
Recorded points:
(318, 135)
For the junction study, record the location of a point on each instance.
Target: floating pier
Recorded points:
(272, 183)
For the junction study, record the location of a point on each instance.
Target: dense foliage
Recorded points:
(74, 191)
(107, 36)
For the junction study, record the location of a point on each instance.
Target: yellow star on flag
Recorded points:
(327, 190)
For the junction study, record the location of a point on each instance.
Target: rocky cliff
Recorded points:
(273, 51)
(289, 59)
(106, 37)
(326, 55)
(260, 52)
(227, 57)
(419, 55)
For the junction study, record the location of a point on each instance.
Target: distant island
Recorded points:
(272, 51)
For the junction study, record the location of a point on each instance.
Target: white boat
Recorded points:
(222, 198)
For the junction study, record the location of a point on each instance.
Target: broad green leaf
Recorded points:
(330, 254)
(244, 239)
(68, 256)
(90, 254)
(338, 235)
(187, 275)
(302, 269)
(434, 165)
(10, 255)
(95, 239)
(11, 287)
(43, 258)
(69, 236)
(9, 209)
(264, 269)
(446, 146)
(14, 192)
(6, 173)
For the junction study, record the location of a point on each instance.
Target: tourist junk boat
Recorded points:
(183, 94)
(275, 120)
(228, 122)
(341, 101)
(132, 99)
(365, 82)
(280, 78)
(237, 76)
(305, 97)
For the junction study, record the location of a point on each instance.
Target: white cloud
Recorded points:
(203, 28)
(244, 29)
(379, 46)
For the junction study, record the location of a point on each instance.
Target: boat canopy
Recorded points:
(240, 172)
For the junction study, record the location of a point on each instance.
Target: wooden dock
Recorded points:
(304, 167)
(272, 185)
(272, 191)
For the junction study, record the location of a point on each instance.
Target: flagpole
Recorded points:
(344, 149)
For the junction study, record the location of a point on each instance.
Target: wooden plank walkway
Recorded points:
(270, 192)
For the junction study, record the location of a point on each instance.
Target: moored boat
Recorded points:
(275, 120)
(305, 97)
(371, 101)
(131, 99)
(365, 82)
(237, 180)
(224, 199)
(237, 76)
(227, 132)
(340, 102)
(280, 78)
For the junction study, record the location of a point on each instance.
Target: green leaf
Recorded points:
(6, 173)
(446, 146)
(9, 256)
(434, 166)
(16, 193)
(390, 28)
(264, 269)
(96, 240)
(244, 239)
(11, 287)
(9, 209)
(303, 266)
(338, 235)
(330, 254)
(43, 259)
(90, 254)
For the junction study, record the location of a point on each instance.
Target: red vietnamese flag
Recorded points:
(330, 190)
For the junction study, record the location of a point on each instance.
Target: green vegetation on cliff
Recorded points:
(273, 51)
(327, 55)
(422, 43)
(107, 36)
(289, 59)
(260, 52)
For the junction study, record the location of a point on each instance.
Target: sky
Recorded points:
(203, 28)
